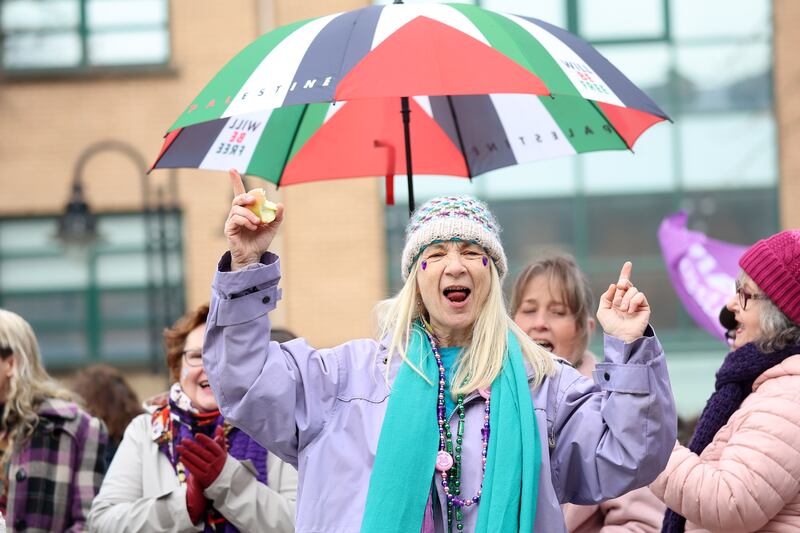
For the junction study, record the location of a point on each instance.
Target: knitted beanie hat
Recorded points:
(774, 264)
(450, 218)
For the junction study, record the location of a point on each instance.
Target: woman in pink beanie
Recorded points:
(741, 471)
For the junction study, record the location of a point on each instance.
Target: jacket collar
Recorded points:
(788, 367)
(56, 408)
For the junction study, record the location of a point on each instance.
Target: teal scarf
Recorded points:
(404, 465)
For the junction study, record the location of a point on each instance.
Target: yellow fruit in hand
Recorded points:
(262, 207)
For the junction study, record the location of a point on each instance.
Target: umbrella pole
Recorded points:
(407, 135)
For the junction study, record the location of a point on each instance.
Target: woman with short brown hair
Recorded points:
(181, 466)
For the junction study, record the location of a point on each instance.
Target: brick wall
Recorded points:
(787, 107)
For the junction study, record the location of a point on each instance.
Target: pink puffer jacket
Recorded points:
(748, 478)
(638, 511)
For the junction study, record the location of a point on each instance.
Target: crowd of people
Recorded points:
(461, 414)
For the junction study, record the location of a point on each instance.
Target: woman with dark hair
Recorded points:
(182, 467)
(108, 396)
(741, 470)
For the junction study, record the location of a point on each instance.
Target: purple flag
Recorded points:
(702, 270)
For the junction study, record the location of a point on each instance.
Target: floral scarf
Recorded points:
(178, 419)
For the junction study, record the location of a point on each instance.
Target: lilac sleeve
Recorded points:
(279, 394)
(613, 434)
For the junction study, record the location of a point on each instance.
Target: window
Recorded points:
(74, 34)
(106, 302)
(613, 19)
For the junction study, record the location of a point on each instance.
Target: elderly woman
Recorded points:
(741, 471)
(551, 302)
(182, 467)
(53, 452)
(455, 419)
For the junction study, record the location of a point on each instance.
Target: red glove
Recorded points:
(195, 500)
(204, 457)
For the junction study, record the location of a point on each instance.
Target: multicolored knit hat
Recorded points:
(774, 264)
(450, 218)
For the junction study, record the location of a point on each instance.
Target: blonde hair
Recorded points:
(561, 271)
(482, 359)
(29, 383)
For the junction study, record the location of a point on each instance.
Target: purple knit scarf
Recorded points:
(733, 384)
(185, 424)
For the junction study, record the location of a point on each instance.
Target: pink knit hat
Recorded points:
(774, 264)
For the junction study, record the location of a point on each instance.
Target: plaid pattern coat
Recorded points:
(53, 479)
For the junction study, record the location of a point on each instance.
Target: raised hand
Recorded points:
(248, 237)
(623, 311)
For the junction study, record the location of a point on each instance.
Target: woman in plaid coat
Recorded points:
(53, 457)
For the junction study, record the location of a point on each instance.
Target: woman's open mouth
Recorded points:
(547, 345)
(204, 384)
(457, 295)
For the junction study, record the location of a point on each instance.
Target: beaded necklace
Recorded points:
(448, 463)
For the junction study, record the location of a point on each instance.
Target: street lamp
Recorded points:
(77, 227)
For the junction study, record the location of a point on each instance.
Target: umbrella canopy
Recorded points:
(321, 99)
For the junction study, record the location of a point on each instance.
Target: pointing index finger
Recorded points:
(625, 273)
(236, 181)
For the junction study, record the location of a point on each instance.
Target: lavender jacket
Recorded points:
(321, 410)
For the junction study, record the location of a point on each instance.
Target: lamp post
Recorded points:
(78, 226)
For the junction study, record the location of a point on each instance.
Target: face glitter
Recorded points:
(424, 265)
(485, 260)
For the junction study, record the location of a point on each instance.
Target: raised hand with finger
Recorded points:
(249, 234)
(624, 311)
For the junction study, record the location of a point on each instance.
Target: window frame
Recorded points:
(83, 67)
(93, 324)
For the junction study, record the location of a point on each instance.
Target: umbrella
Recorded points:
(464, 89)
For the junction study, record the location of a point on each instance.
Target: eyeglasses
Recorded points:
(193, 357)
(744, 296)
